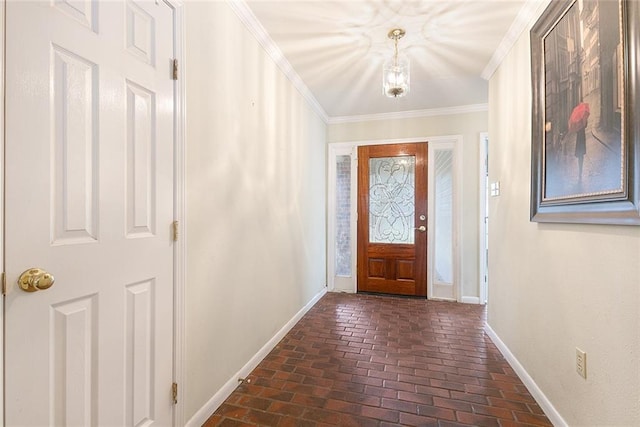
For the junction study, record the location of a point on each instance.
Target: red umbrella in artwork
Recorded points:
(579, 116)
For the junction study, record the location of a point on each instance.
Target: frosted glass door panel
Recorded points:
(392, 200)
(343, 216)
(443, 212)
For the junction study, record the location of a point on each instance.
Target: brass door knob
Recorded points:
(35, 279)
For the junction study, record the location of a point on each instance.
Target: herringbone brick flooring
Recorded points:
(364, 360)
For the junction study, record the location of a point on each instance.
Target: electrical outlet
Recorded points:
(581, 363)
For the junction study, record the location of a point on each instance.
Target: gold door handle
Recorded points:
(35, 279)
(421, 228)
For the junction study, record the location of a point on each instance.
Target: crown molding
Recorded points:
(462, 109)
(530, 10)
(245, 14)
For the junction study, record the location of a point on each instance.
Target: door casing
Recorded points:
(180, 213)
(483, 277)
(3, 5)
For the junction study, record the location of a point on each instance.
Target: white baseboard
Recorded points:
(470, 300)
(203, 414)
(546, 405)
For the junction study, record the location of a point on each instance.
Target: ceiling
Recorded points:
(336, 49)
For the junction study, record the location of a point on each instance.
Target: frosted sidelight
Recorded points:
(343, 216)
(443, 212)
(392, 199)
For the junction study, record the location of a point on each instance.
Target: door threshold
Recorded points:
(381, 294)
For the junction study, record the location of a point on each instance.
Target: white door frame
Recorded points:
(179, 207)
(343, 147)
(180, 246)
(3, 8)
(483, 278)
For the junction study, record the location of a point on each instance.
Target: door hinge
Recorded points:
(175, 231)
(4, 283)
(175, 69)
(174, 393)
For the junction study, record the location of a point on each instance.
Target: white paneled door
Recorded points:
(89, 199)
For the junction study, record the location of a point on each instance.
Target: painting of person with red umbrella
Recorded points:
(578, 124)
(580, 136)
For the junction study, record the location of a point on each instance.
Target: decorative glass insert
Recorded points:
(343, 216)
(443, 216)
(392, 199)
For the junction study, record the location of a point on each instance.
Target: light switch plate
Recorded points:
(495, 189)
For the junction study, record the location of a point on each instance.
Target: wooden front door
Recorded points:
(392, 219)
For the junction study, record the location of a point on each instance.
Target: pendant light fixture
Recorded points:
(395, 71)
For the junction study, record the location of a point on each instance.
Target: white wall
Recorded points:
(255, 199)
(469, 125)
(555, 287)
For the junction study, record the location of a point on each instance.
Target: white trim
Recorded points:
(544, 402)
(203, 414)
(394, 141)
(354, 219)
(530, 10)
(483, 273)
(179, 214)
(331, 214)
(444, 111)
(457, 224)
(245, 14)
(3, 6)
(470, 300)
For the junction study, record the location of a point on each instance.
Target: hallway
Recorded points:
(363, 360)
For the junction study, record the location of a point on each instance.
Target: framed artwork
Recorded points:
(585, 162)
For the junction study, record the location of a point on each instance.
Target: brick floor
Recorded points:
(364, 360)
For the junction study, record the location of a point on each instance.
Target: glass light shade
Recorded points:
(396, 77)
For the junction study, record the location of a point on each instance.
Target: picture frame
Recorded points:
(585, 146)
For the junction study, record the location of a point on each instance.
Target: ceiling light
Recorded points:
(395, 71)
